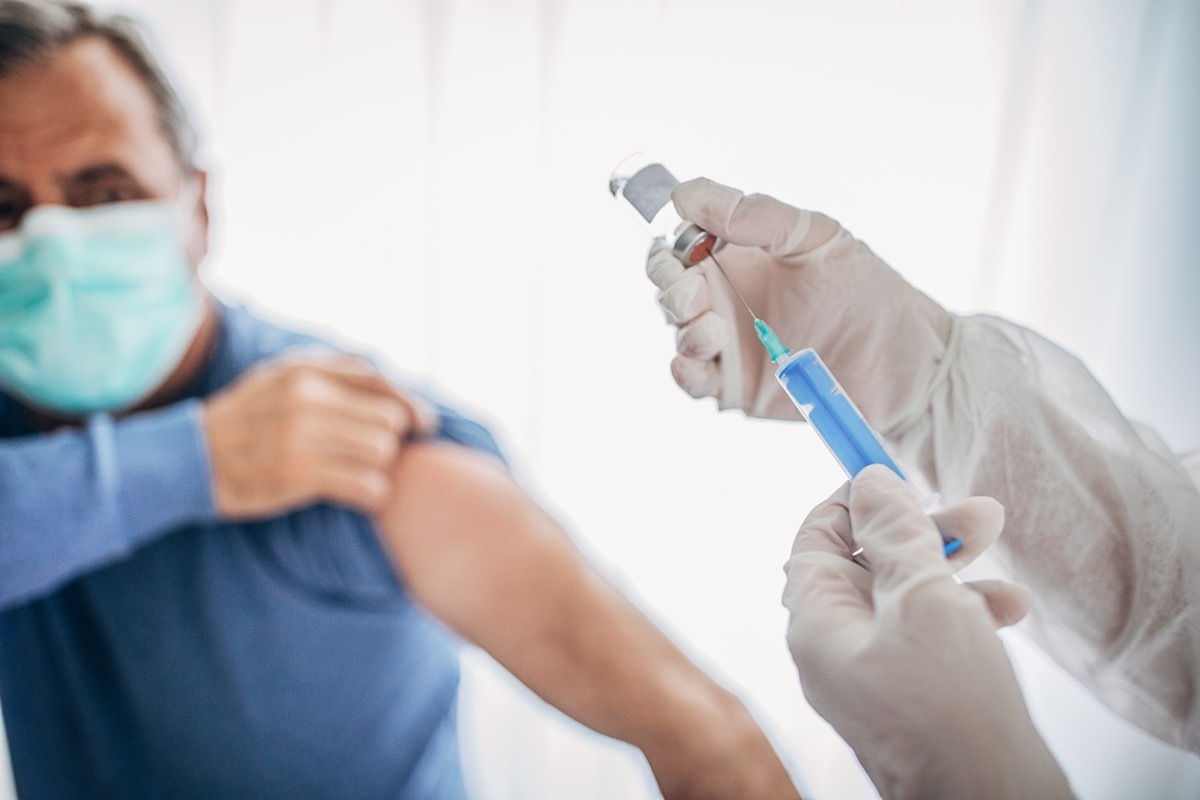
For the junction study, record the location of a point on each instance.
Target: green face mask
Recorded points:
(97, 305)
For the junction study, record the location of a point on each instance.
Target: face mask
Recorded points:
(97, 305)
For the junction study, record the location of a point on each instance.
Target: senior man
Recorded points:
(222, 563)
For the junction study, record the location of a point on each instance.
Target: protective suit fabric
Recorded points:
(1103, 519)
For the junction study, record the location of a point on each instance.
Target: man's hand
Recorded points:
(302, 430)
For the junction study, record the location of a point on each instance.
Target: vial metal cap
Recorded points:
(694, 244)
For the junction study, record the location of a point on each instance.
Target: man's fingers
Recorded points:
(423, 415)
(347, 368)
(320, 392)
(312, 425)
(351, 484)
(401, 416)
(354, 441)
(358, 372)
(1007, 602)
(419, 415)
(367, 393)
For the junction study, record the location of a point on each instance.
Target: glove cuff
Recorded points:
(919, 404)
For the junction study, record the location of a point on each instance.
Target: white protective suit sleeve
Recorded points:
(1103, 520)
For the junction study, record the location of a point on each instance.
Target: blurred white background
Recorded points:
(428, 177)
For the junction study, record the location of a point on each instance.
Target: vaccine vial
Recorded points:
(645, 187)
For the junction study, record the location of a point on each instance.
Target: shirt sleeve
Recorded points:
(454, 427)
(74, 500)
(1103, 521)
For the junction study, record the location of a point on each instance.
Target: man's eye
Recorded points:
(10, 215)
(100, 195)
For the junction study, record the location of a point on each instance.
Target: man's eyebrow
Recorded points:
(98, 173)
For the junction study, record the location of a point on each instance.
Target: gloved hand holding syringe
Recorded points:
(647, 187)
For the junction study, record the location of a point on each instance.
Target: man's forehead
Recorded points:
(80, 102)
(88, 74)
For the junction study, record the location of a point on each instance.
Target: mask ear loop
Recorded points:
(188, 199)
(186, 205)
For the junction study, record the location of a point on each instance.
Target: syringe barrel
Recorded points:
(841, 426)
(832, 414)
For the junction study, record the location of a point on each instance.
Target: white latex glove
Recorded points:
(903, 661)
(817, 286)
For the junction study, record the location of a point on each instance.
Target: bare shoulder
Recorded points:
(463, 535)
(447, 499)
(441, 482)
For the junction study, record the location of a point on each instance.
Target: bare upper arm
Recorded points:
(464, 535)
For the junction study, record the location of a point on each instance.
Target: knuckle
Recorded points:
(304, 384)
(370, 487)
(389, 445)
(297, 430)
(382, 447)
(425, 416)
(294, 471)
(393, 414)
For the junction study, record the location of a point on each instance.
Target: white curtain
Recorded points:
(429, 177)
(1092, 239)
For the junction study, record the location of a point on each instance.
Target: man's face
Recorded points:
(80, 129)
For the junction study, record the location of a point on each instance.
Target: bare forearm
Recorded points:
(485, 559)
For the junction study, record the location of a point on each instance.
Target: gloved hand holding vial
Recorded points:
(1100, 511)
(647, 188)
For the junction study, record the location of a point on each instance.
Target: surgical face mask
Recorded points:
(97, 305)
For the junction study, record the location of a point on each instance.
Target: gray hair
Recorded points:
(32, 30)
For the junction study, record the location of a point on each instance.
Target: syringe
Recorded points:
(827, 407)
(646, 186)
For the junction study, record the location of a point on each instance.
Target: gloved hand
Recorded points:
(902, 660)
(817, 286)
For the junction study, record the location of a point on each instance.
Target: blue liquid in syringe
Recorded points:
(839, 423)
(820, 398)
(835, 418)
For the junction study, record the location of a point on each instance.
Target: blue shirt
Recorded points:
(150, 650)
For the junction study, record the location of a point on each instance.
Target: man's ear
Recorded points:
(197, 237)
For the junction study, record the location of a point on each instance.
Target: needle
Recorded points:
(769, 340)
(713, 256)
(777, 351)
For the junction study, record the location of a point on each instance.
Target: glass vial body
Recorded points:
(645, 187)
